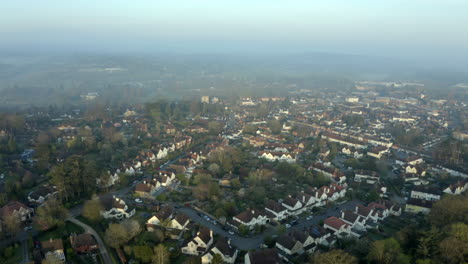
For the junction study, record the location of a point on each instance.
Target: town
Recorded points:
(374, 174)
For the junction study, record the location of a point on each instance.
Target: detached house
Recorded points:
(55, 248)
(165, 214)
(224, 248)
(83, 243)
(41, 194)
(200, 243)
(114, 207)
(147, 188)
(321, 235)
(15, 209)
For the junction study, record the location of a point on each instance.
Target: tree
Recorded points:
(386, 251)
(50, 215)
(12, 223)
(161, 255)
(217, 259)
(92, 209)
(143, 253)
(450, 209)
(116, 235)
(453, 250)
(335, 256)
(275, 126)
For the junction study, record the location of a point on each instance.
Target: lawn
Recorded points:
(61, 232)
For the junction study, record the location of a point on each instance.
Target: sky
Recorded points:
(419, 29)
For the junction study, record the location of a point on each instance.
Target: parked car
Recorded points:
(309, 217)
(288, 226)
(138, 200)
(231, 232)
(214, 222)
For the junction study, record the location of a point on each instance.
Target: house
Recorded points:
(224, 248)
(83, 243)
(380, 211)
(263, 256)
(293, 206)
(147, 188)
(353, 219)
(278, 211)
(164, 214)
(377, 152)
(180, 221)
(295, 242)
(15, 209)
(200, 243)
(114, 207)
(338, 226)
(418, 206)
(41, 194)
(55, 248)
(251, 218)
(321, 236)
(369, 177)
(457, 188)
(426, 193)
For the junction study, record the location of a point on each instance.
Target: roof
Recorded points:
(224, 246)
(84, 239)
(264, 256)
(427, 189)
(51, 245)
(363, 210)
(109, 202)
(248, 215)
(181, 218)
(41, 191)
(205, 235)
(12, 206)
(165, 212)
(290, 201)
(334, 222)
(420, 203)
(275, 206)
(350, 216)
(317, 231)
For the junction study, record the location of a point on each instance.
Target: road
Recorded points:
(253, 242)
(102, 247)
(25, 250)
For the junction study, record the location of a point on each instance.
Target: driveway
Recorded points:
(102, 247)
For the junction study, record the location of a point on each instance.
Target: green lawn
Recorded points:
(62, 232)
(17, 256)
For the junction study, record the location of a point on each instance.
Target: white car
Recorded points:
(231, 232)
(138, 200)
(309, 217)
(288, 226)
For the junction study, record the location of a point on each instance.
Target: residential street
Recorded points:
(256, 240)
(102, 247)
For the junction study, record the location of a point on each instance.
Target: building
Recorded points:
(200, 243)
(263, 256)
(224, 248)
(426, 193)
(418, 206)
(83, 243)
(54, 248)
(114, 207)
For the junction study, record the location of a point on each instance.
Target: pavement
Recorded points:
(102, 247)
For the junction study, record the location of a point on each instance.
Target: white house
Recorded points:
(457, 188)
(200, 243)
(114, 207)
(224, 248)
(278, 210)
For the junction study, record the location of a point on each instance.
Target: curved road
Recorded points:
(102, 247)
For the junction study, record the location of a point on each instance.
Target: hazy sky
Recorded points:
(416, 28)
